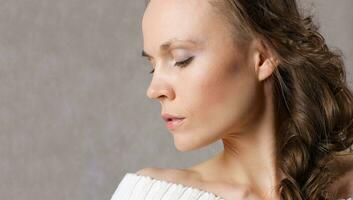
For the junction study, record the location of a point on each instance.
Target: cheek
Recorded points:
(208, 88)
(220, 98)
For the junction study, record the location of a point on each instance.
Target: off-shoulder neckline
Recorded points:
(186, 186)
(176, 184)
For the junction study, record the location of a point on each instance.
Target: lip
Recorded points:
(167, 117)
(174, 123)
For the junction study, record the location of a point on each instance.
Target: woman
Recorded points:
(258, 76)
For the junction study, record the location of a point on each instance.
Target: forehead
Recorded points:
(182, 19)
(164, 11)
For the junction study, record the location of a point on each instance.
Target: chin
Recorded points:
(185, 146)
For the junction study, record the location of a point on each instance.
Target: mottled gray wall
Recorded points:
(74, 116)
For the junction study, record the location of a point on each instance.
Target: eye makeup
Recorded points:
(185, 62)
(180, 64)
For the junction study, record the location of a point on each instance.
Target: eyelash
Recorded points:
(180, 64)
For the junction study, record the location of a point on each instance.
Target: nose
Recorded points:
(159, 89)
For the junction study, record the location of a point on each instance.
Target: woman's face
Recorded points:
(217, 91)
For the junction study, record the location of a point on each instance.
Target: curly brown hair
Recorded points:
(312, 98)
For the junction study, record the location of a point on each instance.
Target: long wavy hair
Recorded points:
(312, 98)
(311, 95)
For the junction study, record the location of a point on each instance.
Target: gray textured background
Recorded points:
(74, 115)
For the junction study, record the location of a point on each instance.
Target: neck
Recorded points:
(249, 156)
(252, 162)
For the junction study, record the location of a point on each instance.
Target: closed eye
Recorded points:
(180, 64)
(185, 62)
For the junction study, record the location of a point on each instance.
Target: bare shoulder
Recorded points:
(181, 176)
(191, 178)
(343, 185)
(149, 171)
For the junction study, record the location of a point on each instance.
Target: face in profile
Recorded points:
(215, 88)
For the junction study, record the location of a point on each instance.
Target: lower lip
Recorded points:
(174, 123)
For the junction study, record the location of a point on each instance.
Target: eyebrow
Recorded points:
(168, 43)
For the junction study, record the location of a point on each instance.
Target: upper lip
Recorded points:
(168, 117)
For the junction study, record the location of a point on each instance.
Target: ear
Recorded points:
(265, 60)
